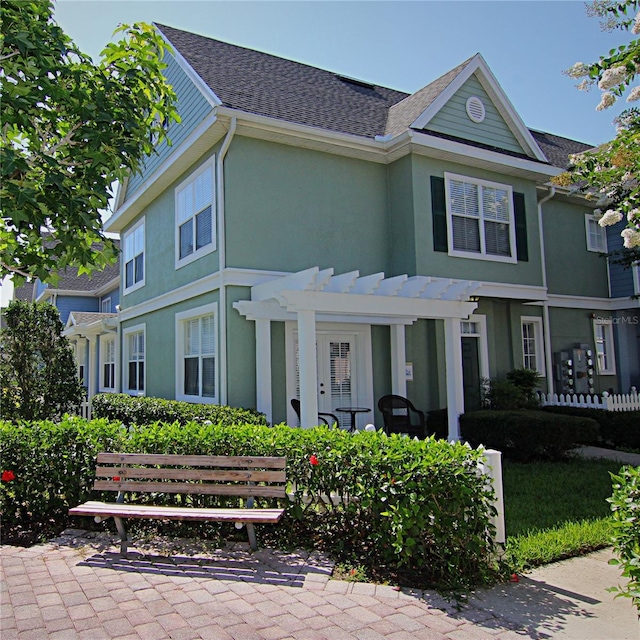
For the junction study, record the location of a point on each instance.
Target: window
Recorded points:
(134, 341)
(195, 232)
(105, 305)
(596, 235)
(196, 354)
(108, 363)
(81, 358)
(134, 257)
(532, 345)
(603, 333)
(480, 219)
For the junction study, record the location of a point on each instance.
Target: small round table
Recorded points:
(353, 411)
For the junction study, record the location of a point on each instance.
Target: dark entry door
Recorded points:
(470, 374)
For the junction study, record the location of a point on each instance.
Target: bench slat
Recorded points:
(226, 475)
(266, 462)
(182, 487)
(105, 509)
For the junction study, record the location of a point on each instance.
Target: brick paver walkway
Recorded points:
(78, 587)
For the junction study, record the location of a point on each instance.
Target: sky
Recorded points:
(403, 45)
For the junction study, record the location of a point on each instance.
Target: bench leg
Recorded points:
(123, 536)
(252, 536)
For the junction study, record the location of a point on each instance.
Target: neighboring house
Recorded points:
(315, 236)
(88, 309)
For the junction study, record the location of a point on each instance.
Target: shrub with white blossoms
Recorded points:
(609, 173)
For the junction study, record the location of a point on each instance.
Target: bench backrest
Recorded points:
(208, 475)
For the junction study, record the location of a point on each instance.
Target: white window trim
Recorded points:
(513, 259)
(136, 285)
(609, 341)
(125, 359)
(105, 301)
(103, 346)
(180, 318)
(538, 330)
(588, 220)
(210, 248)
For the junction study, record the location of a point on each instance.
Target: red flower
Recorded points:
(514, 577)
(314, 460)
(8, 476)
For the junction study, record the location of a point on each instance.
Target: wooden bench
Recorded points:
(244, 478)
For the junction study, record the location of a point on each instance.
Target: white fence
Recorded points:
(84, 410)
(608, 402)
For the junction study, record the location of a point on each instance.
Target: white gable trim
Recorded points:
(502, 103)
(200, 84)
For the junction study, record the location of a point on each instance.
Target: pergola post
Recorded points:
(453, 357)
(263, 368)
(307, 359)
(398, 360)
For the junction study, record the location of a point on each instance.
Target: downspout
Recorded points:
(222, 259)
(546, 329)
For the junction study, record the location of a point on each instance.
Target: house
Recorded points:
(310, 235)
(88, 309)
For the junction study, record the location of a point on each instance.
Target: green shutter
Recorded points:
(439, 214)
(522, 251)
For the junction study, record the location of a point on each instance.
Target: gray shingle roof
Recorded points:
(267, 85)
(264, 84)
(86, 317)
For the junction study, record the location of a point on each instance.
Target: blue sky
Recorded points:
(401, 44)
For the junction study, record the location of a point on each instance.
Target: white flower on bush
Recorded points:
(585, 85)
(636, 25)
(634, 215)
(578, 70)
(609, 218)
(634, 95)
(612, 77)
(631, 238)
(606, 101)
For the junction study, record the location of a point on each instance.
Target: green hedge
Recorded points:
(617, 428)
(402, 503)
(143, 410)
(527, 435)
(625, 504)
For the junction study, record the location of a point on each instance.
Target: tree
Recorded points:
(37, 369)
(70, 128)
(610, 173)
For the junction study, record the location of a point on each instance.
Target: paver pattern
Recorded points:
(78, 587)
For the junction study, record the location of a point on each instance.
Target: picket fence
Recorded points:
(607, 401)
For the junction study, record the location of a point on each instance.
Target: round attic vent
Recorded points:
(475, 109)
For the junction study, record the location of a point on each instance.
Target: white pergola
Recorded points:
(317, 295)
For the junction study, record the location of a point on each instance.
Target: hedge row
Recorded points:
(527, 435)
(617, 428)
(143, 410)
(401, 503)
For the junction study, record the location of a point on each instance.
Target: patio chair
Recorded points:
(325, 418)
(400, 416)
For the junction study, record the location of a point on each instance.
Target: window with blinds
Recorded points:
(596, 235)
(134, 257)
(199, 357)
(194, 215)
(135, 361)
(480, 218)
(108, 357)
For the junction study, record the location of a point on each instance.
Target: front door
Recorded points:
(343, 369)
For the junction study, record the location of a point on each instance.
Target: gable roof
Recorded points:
(267, 85)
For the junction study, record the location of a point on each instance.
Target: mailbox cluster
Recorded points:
(575, 370)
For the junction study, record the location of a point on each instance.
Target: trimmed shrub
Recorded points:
(395, 503)
(625, 504)
(143, 410)
(527, 435)
(617, 428)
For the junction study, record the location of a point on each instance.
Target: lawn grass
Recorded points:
(556, 510)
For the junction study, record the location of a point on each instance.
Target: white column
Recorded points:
(493, 469)
(263, 367)
(308, 369)
(92, 365)
(398, 360)
(453, 356)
